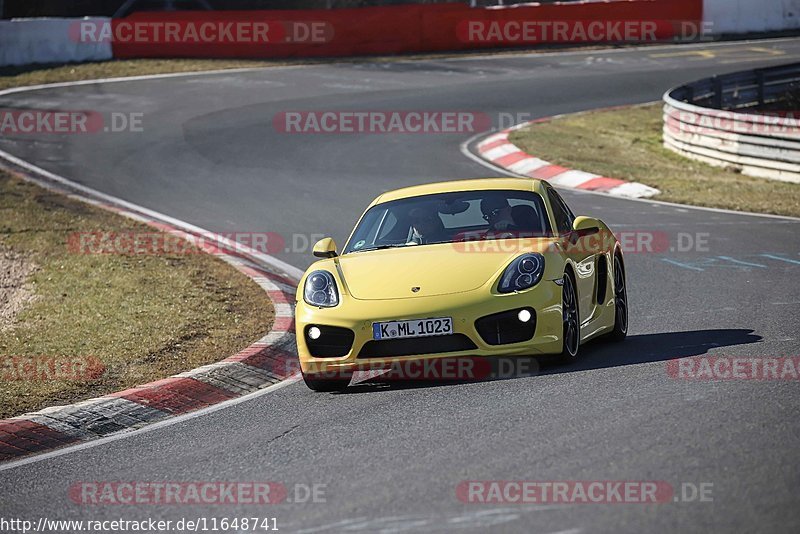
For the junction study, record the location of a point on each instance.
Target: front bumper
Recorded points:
(464, 308)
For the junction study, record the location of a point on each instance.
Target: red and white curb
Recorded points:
(268, 361)
(501, 152)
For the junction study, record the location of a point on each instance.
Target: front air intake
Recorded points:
(387, 348)
(333, 341)
(507, 327)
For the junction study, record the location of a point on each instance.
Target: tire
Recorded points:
(571, 333)
(620, 330)
(325, 384)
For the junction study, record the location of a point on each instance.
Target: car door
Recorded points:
(583, 257)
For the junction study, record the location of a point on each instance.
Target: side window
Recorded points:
(566, 208)
(561, 213)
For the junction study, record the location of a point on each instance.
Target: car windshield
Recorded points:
(449, 218)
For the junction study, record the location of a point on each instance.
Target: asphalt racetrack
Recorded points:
(391, 456)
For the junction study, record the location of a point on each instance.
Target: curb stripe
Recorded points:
(498, 150)
(279, 297)
(527, 165)
(576, 179)
(283, 324)
(19, 437)
(511, 159)
(632, 190)
(488, 145)
(602, 184)
(549, 171)
(175, 395)
(96, 417)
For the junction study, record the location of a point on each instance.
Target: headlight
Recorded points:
(320, 290)
(524, 272)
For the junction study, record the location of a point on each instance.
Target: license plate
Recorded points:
(439, 326)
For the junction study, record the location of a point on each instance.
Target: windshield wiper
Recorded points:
(382, 247)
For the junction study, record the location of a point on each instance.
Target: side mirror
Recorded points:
(325, 248)
(584, 226)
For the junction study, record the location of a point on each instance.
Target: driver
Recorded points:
(427, 226)
(497, 212)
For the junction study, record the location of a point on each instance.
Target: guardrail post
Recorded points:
(760, 82)
(717, 84)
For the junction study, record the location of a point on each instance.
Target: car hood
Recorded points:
(436, 269)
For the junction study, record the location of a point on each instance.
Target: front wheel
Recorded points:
(571, 335)
(620, 331)
(323, 383)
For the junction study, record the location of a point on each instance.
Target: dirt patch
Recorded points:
(15, 290)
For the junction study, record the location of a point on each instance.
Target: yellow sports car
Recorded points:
(472, 268)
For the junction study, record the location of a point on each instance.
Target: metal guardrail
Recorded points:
(711, 120)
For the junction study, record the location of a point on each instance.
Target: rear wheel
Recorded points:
(620, 302)
(324, 383)
(571, 324)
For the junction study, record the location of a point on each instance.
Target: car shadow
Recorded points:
(597, 354)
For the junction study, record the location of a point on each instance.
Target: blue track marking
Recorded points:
(774, 257)
(684, 265)
(740, 262)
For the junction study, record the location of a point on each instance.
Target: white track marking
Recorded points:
(143, 77)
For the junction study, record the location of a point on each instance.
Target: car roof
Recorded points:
(480, 184)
